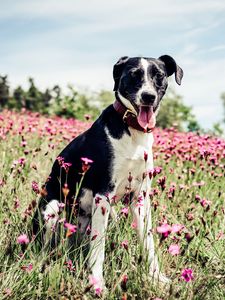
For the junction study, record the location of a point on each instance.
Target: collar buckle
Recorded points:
(128, 111)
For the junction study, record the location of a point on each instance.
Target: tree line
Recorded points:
(78, 104)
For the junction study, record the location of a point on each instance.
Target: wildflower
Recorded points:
(205, 203)
(188, 237)
(197, 197)
(69, 265)
(124, 282)
(66, 166)
(134, 225)
(86, 160)
(154, 172)
(103, 210)
(60, 160)
(88, 230)
(187, 275)
(162, 182)
(23, 143)
(98, 291)
(164, 229)
(7, 292)
(65, 190)
(93, 280)
(145, 156)
(97, 200)
(61, 205)
(87, 117)
(16, 203)
(21, 161)
(23, 239)
(140, 201)
(124, 244)
(176, 228)
(35, 187)
(86, 163)
(130, 178)
(125, 211)
(27, 268)
(71, 229)
(174, 249)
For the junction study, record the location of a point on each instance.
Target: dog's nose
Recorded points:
(148, 98)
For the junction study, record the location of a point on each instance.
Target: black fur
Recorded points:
(94, 143)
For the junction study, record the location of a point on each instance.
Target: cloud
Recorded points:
(79, 41)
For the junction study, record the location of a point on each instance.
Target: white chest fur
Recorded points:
(129, 158)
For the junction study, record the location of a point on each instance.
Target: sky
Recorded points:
(79, 41)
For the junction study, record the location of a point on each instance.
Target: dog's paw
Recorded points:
(157, 276)
(161, 278)
(98, 285)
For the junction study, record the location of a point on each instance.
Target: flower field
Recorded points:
(188, 207)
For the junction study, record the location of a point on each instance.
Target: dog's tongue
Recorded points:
(146, 117)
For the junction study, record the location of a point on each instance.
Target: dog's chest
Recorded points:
(130, 160)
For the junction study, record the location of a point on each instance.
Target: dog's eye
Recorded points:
(136, 74)
(159, 78)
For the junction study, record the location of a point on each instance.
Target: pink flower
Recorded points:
(124, 244)
(124, 282)
(145, 156)
(66, 166)
(174, 249)
(125, 211)
(35, 187)
(23, 239)
(61, 205)
(187, 275)
(134, 225)
(27, 268)
(93, 280)
(176, 228)
(71, 229)
(205, 203)
(69, 265)
(98, 291)
(60, 160)
(164, 229)
(86, 163)
(86, 160)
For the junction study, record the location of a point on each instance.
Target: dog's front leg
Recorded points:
(100, 215)
(142, 216)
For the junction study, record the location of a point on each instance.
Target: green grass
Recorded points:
(51, 279)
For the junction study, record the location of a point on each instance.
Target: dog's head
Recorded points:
(140, 84)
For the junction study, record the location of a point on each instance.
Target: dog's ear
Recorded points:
(117, 71)
(172, 67)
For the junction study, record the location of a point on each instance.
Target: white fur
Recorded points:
(127, 103)
(148, 85)
(97, 244)
(51, 216)
(129, 157)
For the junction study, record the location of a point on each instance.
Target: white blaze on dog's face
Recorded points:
(140, 84)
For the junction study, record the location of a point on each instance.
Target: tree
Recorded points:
(173, 112)
(4, 91)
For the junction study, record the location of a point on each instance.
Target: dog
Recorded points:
(116, 151)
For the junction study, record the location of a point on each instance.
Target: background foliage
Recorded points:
(77, 103)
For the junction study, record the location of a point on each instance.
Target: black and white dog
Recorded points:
(116, 143)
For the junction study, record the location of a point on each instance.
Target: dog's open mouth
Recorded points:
(146, 116)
